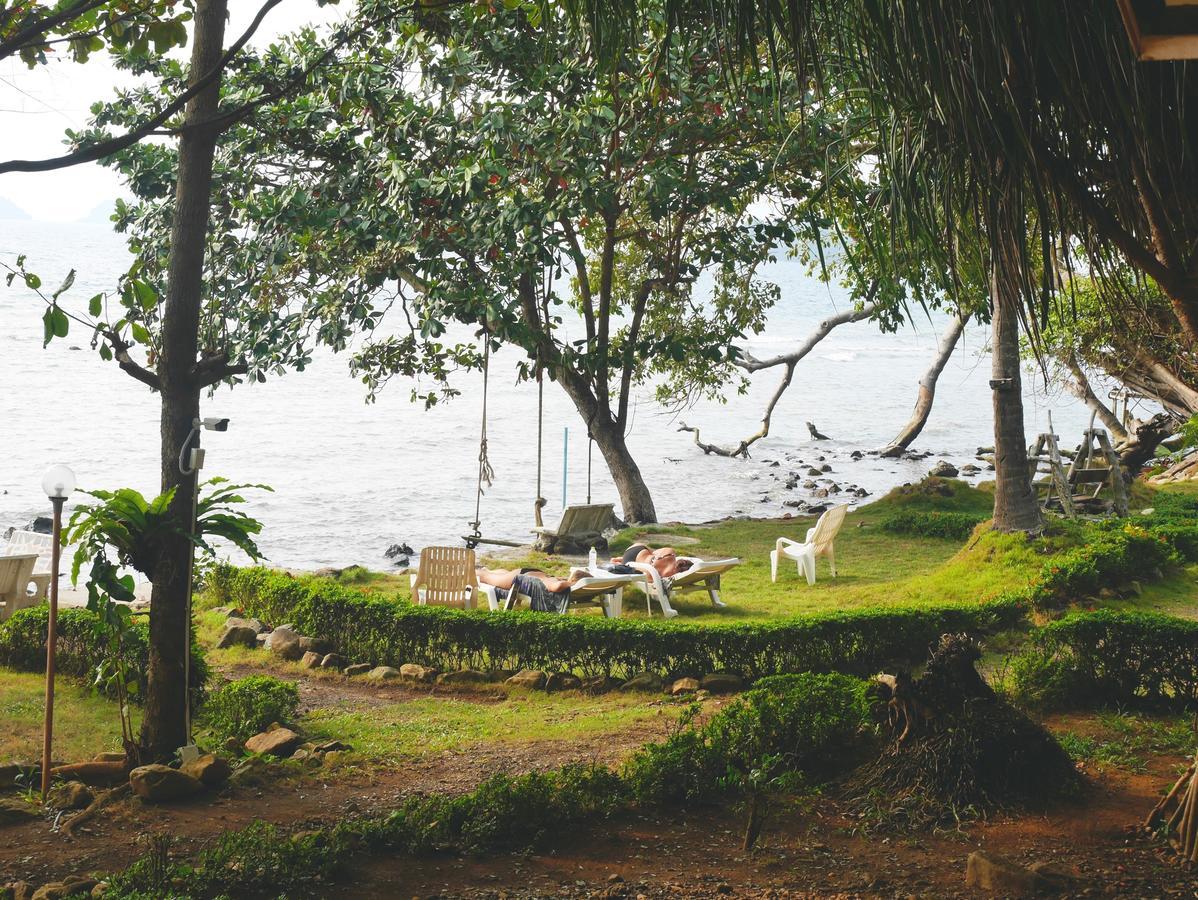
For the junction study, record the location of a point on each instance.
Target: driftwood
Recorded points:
(788, 361)
(927, 390)
(816, 434)
(1180, 827)
(957, 749)
(1184, 469)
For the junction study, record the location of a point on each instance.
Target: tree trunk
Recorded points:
(1183, 296)
(1081, 389)
(163, 728)
(927, 390)
(634, 493)
(1016, 507)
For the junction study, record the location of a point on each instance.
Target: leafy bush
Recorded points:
(81, 647)
(953, 525)
(1108, 658)
(803, 726)
(391, 631)
(1116, 552)
(243, 708)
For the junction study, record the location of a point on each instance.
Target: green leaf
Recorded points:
(95, 304)
(147, 297)
(139, 333)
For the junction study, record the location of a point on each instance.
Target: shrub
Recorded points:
(1108, 658)
(952, 525)
(80, 647)
(391, 631)
(1116, 552)
(801, 725)
(243, 708)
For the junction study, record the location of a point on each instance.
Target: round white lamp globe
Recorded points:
(58, 482)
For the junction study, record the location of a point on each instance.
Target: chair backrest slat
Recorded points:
(828, 526)
(445, 574)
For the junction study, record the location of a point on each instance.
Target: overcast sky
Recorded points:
(37, 106)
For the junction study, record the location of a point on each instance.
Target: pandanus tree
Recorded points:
(1033, 116)
(476, 166)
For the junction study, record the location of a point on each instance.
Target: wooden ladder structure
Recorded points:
(1094, 468)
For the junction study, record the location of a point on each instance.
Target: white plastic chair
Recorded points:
(22, 542)
(445, 577)
(15, 575)
(818, 542)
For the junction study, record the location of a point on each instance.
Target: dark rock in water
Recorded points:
(825, 468)
(794, 504)
(821, 492)
(817, 508)
(856, 454)
(814, 472)
(943, 469)
(397, 550)
(792, 483)
(41, 525)
(810, 484)
(774, 464)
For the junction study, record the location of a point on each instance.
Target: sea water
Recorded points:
(352, 478)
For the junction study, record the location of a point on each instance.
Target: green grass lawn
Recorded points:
(876, 567)
(428, 726)
(84, 722)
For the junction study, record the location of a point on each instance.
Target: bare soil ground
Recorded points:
(815, 851)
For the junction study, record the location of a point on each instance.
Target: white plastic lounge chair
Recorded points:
(22, 542)
(15, 573)
(818, 542)
(601, 588)
(446, 577)
(703, 575)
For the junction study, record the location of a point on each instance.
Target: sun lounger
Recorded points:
(703, 575)
(600, 588)
(818, 542)
(15, 575)
(22, 542)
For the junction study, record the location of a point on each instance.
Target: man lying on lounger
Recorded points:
(546, 593)
(664, 559)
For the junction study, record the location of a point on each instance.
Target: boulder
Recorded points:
(333, 661)
(252, 771)
(528, 678)
(464, 676)
(994, 873)
(311, 660)
(237, 636)
(16, 812)
(238, 622)
(684, 686)
(314, 645)
(110, 756)
(211, 770)
(856, 454)
(382, 673)
(600, 684)
(398, 550)
(75, 886)
(11, 773)
(160, 784)
(357, 669)
(970, 469)
(285, 642)
(417, 672)
(825, 468)
(646, 681)
(722, 683)
(944, 469)
(70, 795)
(276, 742)
(562, 681)
(813, 472)
(18, 890)
(332, 759)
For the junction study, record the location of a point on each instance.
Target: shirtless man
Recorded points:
(664, 559)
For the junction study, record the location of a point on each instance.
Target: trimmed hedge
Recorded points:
(953, 525)
(391, 631)
(1108, 658)
(80, 648)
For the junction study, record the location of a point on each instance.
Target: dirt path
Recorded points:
(696, 853)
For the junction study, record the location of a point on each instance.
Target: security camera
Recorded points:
(212, 424)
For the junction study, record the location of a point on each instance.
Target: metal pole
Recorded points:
(565, 458)
(51, 644)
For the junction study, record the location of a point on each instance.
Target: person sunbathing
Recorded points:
(546, 593)
(664, 559)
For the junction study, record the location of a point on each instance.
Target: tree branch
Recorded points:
(750, 363)
(120, 351)
(742, 449)
(115, 145)
(27, 35)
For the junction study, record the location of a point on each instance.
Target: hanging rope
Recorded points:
(486, 475)
(540, 502)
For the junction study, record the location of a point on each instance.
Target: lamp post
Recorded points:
(58, 482)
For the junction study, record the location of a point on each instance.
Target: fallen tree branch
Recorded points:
(927, 390)
(789, 360)
(1080, 388)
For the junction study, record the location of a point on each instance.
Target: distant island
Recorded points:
(10, 210)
